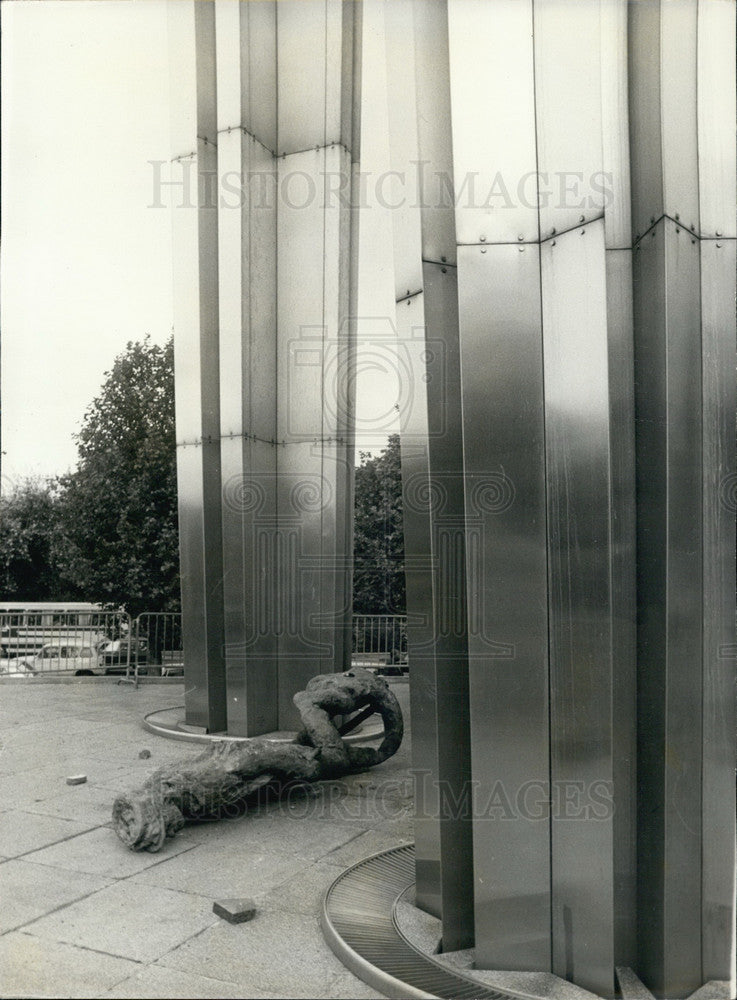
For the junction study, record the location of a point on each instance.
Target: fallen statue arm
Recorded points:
(228, 772)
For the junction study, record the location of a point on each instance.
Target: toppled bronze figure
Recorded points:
(210, 784)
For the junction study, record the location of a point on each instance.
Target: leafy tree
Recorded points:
(378, 571)
(119, 508)
(30, 568)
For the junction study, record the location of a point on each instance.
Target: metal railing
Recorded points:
(110, 643)
(380, 641)
(65, 643)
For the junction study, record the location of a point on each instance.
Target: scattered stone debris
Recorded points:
(76, 779)
(235, 911)
(144, 754)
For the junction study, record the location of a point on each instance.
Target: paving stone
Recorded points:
(29, 891)
(100, 852)
(304, 892)
(167, 984)
(76, 779)
(363, 846)
(87, 804)
(284, 953)
(22, 832)
(132, 921)
(219, 870)
(302, 837)
(235, 911)
(35, 968)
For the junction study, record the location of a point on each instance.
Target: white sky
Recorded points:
(85, 264)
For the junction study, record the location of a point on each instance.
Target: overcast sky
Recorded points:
(86, 264)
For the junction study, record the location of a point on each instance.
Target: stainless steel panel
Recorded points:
(717, 111)
(198, 483)
(582, 679)
(645, 115)
(301, 240)
(718, 269)
(182, 76)
(502, 384)
(228, 64)
(623, 536)
(615, 125)
(678, 28)
(420, 605)
(204, 20)
(669, 519)
(435, 168)
(232, 154)
(569, 142)
(493, 106)
(448, 539)
(403, 194)
(258, 94)
(309, 50)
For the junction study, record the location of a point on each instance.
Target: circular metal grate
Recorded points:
(357, 921)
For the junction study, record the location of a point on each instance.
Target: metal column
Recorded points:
(432, 460)
(683, 169)
(274, 263)
(195, 255)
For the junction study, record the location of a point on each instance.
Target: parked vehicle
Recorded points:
(15, 666)
(118, 653)
(82, 661)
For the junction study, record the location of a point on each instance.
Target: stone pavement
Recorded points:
(81, 916)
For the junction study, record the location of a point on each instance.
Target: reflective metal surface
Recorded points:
(678, 27)
(494, 165)
(309, 60)
(644, 109)
(622, 531)
(195, 239)
(717, 111)
(569, 153)
(502, 377)
(579, 552)
(434, 146)
(718, 269)
(669, 552)
(615, 125)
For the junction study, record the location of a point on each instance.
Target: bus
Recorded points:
(27, 626)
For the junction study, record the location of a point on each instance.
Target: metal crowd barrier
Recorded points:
(380, 641)
(81, 644)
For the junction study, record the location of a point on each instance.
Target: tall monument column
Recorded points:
(265, 123)
(593, 188)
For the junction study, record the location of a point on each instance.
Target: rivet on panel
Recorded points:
(553, 231)
(521, 249)
(521, 237)
(482, 239)
(553, 243)
(652, 219)
(719, 246)
(443, 259)
(444, 270)
(693, 240)
(582, 232)
(483, 249)
(677, 217)
(719, 232)
(582, 219)
(677, 230)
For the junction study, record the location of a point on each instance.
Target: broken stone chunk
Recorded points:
(235, 911)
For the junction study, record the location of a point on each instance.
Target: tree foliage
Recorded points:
(118, 509)
(29, 544)
(378, 571)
